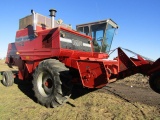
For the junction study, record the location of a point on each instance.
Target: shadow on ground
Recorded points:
(78, 91)
(26, 87)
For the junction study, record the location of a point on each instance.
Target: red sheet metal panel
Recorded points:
(93, 73)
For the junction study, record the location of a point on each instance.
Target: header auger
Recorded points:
(55, 57)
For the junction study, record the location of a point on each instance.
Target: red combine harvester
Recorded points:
(55, 57)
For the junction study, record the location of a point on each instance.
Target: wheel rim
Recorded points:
(45, 84)
(4, 79)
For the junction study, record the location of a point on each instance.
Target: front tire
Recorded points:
(7, 78)
(51, 83)
(154, 82)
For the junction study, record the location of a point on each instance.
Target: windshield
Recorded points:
(102, 37)
(109, 37)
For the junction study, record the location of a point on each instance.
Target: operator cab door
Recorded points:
(97, 33)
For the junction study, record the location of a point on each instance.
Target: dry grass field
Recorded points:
(18, 103)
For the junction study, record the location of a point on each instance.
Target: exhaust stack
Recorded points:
(52, 14)
(34, 20)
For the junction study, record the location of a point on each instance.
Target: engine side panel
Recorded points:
(74, 42)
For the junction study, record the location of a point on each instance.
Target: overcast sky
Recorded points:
(138, 20)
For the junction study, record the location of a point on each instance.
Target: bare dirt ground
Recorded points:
(127, 99)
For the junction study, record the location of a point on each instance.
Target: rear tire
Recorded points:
(7, 78)
(51, 83)
(154, 82)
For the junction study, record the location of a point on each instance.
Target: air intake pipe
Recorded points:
(52, 14)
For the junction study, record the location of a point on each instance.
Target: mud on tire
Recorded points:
(51, 83)
(7, 78)
(154, 82)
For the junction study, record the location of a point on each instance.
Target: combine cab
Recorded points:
(55, 57)
(102, 33)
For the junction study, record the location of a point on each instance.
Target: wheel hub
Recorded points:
(45, 84)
